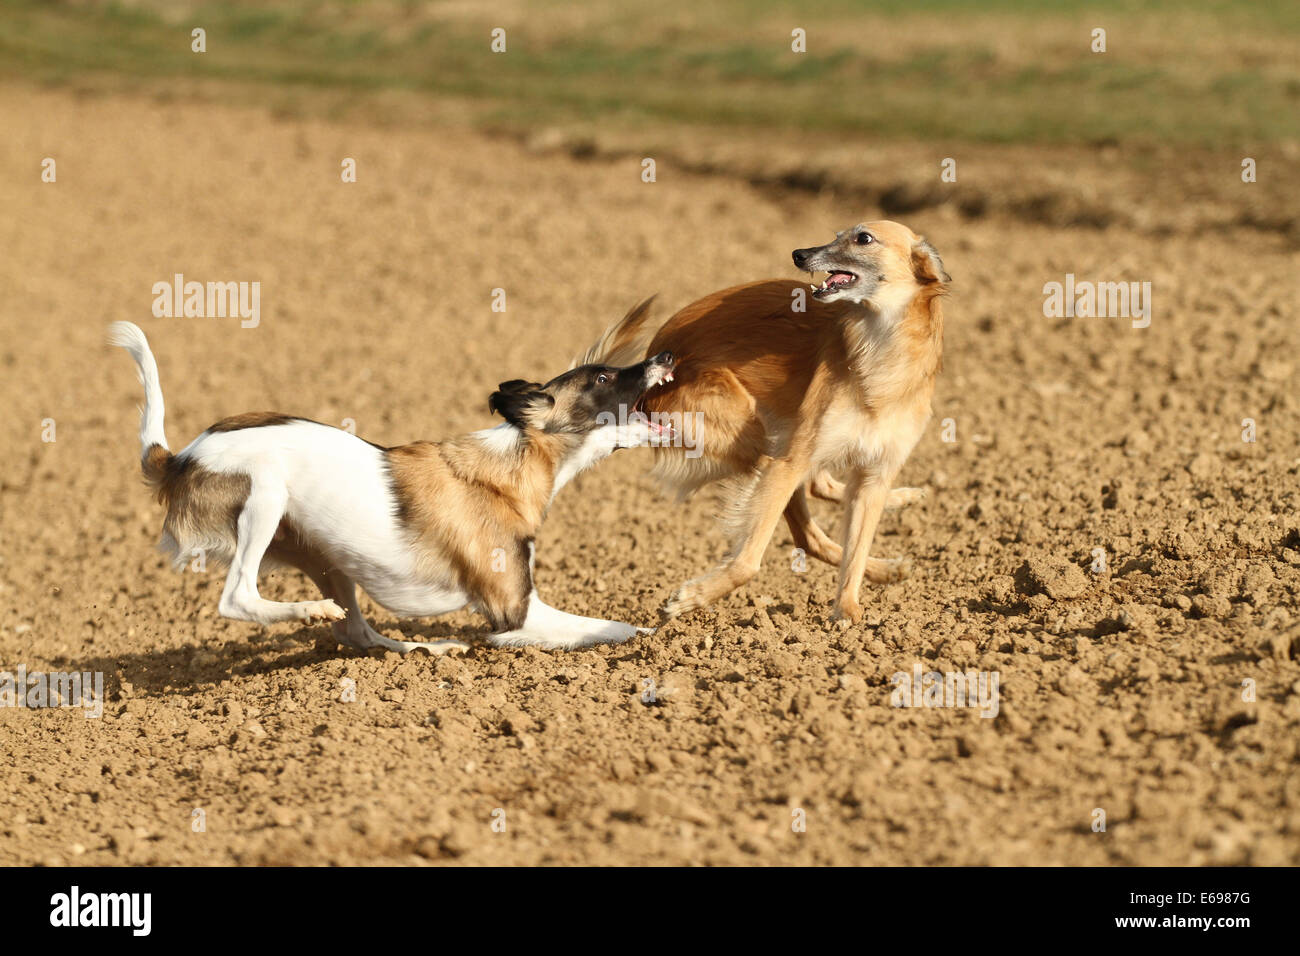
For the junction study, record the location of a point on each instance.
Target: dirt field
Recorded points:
(1120, 689)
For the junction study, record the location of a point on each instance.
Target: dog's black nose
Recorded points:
(800, 257)
(664, 358)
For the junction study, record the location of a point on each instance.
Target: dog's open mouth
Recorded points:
(660, 377)
(834, 282)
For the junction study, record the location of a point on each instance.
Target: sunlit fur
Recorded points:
(788, 396)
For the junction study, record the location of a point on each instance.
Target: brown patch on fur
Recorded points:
(741, 352)
(202, 507)
(268, 419)
(154, 464)
(479, 510)
(254, 420)
(762, 374)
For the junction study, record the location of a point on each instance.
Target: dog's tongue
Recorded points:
(839, 278)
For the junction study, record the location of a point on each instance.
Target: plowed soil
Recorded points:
(1159, 685)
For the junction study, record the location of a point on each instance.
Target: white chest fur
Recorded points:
(854, 436)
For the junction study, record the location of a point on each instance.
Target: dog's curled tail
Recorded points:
(625, 342)
(154, 454)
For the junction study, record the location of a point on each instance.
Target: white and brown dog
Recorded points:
(425, 528)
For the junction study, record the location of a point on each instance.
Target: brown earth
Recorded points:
(1121, 689)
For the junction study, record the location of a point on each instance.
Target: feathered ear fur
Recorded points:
(521, 403)
(624, 342)
(926, 264)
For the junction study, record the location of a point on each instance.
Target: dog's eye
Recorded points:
(864, 238)
(602, 378)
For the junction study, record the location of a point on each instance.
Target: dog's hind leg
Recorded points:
(824, 486)
(807, 535)
(256, 528)
(827, 488)
(780, 478)
(355, 630)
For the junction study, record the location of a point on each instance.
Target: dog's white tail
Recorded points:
(153, 441)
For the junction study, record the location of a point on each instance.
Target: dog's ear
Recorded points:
(522, 404)
(926, 264)
(518, 385)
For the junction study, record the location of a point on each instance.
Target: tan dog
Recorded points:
(783, 396)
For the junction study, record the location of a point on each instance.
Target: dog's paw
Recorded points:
(615, 632)
(313, 611)
(432, 648)
(685, 600)
(889, 570)
(902, 497)
(847, 614)
(700, 592)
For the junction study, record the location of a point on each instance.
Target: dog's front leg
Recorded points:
(865, 497)
(779, 480)
(545, 626)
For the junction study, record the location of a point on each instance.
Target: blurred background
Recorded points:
(1009, 71)
(1182, 85)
